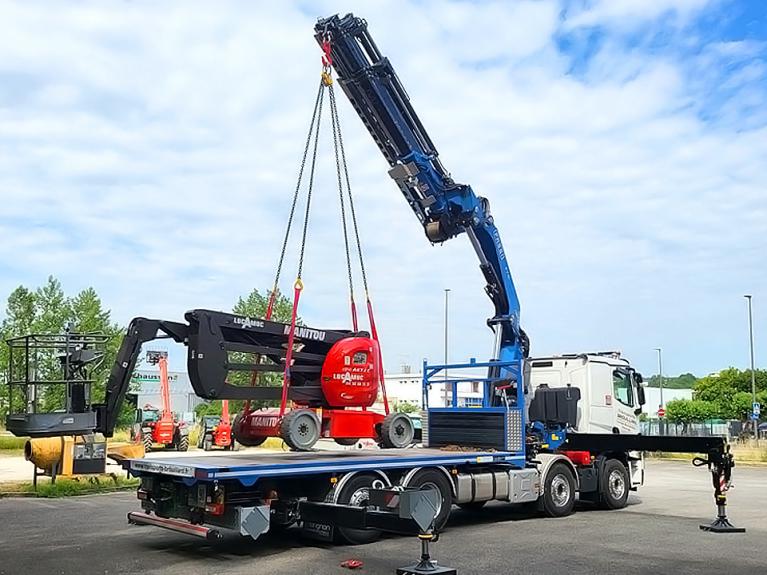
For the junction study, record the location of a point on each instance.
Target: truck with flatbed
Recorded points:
(548, 430)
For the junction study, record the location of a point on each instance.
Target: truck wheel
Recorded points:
(397, 431)
(430, 478)
(147, 441)
(183, 443)
(207, 443)
(346, 441)
(559, 491)
(300, 429)
(356, 494)
(614, 485)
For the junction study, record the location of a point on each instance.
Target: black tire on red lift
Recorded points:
(300, 429)
(397, 431)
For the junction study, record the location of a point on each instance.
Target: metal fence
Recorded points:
(707, 429)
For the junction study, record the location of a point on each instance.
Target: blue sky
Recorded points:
(150, 151)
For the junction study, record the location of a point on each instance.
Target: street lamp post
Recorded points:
(660, 378)
(447, 389)
(753, 375)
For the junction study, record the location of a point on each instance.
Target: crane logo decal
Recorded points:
(307, 333)
(248, 322)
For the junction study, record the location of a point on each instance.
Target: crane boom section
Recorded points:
(444, 208)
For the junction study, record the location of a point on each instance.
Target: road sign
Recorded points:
(756, 410)
(661, 412)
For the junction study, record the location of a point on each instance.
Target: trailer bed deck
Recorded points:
(249, 467)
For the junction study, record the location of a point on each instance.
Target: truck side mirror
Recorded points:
(640, 394)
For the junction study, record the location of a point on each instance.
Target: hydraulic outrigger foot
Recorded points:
(720, 463)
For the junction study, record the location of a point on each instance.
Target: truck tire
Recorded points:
(183, 443)
(355, 492)
(300, 429)
(146, 439)
(614, 484)
(430, 478)
(559, 491)
(397, 431)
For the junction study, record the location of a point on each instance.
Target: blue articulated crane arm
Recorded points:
(444, 208)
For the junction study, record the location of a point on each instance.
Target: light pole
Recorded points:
(660, 378)
(446, 390)
(753, 376)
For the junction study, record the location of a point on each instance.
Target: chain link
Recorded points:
(317, 108)
(334, 112)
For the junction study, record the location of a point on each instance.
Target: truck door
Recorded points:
(625, 402)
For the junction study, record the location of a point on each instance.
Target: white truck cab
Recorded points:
(611, 400)
(611, 390)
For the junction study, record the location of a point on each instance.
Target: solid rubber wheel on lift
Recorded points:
(559, 491)
(300, 429)
(245, 441)
(397, 430)
(614, 485)
(356, 493)
(431, 478)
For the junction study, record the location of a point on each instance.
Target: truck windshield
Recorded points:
(622, 389)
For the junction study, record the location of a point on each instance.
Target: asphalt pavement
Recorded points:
(658, 533)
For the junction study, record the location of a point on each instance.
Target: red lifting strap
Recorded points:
(374, 334)
(289, 353)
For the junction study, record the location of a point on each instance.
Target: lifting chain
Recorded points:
(344, 195)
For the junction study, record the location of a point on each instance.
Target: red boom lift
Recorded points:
(155, 426)
(216, 430)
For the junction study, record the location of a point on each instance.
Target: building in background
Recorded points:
(145, 388)
(406, 387)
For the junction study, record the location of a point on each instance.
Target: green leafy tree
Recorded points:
(47, 310)
(730, 391)
(683, 381)
(19, 317)
(687, 411)
(405, 407)
(255, 304)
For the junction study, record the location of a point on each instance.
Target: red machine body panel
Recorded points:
(350, 375)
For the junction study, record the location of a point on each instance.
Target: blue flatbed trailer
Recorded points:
(253, 492)
(249, 467)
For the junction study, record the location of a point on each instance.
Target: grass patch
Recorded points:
(11, 442)
(82, 486)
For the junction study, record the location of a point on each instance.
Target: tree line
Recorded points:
(47, 309)
(723, 395)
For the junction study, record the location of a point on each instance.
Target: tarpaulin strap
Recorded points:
(374, 335)
(298, 286)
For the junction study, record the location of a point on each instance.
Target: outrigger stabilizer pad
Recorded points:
(426, 565)
(721, 524)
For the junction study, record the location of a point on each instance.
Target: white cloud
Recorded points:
(152, 150)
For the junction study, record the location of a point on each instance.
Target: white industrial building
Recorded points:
(145, 387)
(406, 387)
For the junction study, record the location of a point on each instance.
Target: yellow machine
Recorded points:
(76, 455)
